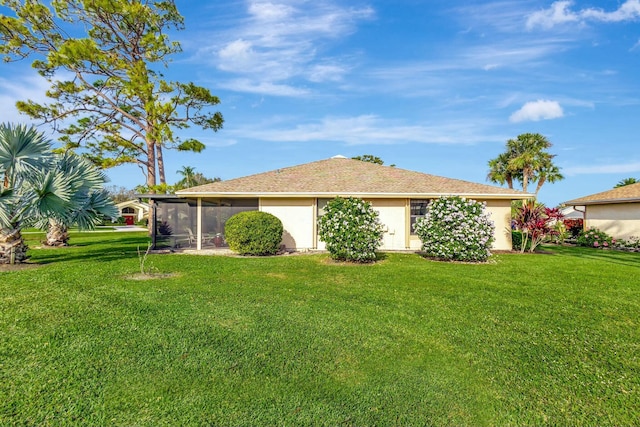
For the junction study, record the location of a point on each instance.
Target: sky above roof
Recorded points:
(428, 85)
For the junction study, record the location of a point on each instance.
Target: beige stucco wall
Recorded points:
(621, 220)
(297, 216)
(393, 216)
(500, 211)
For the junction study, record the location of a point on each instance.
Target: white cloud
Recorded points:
(603, 169)
(263, 88)
(560, 13)
(537, 110)
(283, 40)
(32, 88)
(372, 129)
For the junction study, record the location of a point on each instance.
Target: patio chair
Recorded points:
(192, 237)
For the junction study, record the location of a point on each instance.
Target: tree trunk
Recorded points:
(57, 234)
(160, 161)
(151, 166)
(12, 247)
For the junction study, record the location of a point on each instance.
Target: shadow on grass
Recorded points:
(110, 249)
(630, 259)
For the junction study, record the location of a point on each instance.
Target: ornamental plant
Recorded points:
(351, 229)
(536, 223)
(455, 228)
(595, 238)
(254, 233)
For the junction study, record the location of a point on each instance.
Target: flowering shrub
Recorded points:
(536, 224)
(454, 228)
(631, 244)
(574, 226)
(595, 238)
(351, 229)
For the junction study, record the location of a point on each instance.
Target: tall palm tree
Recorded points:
(187, 173)
(525, 160)
(37, 190)
(499, 170)
(548, 172)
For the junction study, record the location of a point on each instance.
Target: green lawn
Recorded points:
(545, 339)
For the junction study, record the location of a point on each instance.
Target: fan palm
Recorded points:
(40, 188)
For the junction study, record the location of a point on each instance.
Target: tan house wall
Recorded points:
(500, 211)
(297, 216)
(621, 220)
(393, 217)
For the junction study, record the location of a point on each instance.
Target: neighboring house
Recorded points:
(133, 211)
(298, 194)
(570, 212)
(616, 212)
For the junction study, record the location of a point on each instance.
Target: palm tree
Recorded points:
(187, 173)
(626, 181)
(525, 160)
(39, 188)
(548, 172)
(89, 203)
(499, 170)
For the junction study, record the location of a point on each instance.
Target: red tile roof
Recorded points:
(626, 194)
(342, 176)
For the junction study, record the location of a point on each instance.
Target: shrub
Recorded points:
(254, 233)
(454, 228)
(574, 226)
(595, 238)
(351, 229)
(536, 224)
(516, 241)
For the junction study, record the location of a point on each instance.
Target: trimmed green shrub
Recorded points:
(254, 233)
(351, 229)
(455, 228)
(595, 238)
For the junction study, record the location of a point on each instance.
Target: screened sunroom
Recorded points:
(196, 223)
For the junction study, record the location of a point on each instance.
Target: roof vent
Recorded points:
(339, 156)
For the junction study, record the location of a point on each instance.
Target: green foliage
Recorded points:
(537, 223)
(41, 189)
(525, 160)
(351, 230)
(595, 238)
(114, 51)
(517, 239)
(454, 228)
(254, 233)
(626, 181)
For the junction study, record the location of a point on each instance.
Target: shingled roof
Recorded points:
(342, 176)
(625, 194)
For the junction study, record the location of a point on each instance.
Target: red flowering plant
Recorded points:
(536, 223)
(574, 226)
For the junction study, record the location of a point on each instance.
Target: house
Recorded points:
(133, 211)
(616, 211)
(298, 194)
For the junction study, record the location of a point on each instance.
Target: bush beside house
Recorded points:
(254, 233)
(454, 228)
(351, 230)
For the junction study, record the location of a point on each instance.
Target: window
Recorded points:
(128, 211)
(418, 209)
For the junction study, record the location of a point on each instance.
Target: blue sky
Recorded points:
(432, 86)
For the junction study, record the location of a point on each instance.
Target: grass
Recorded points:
(544, 339)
